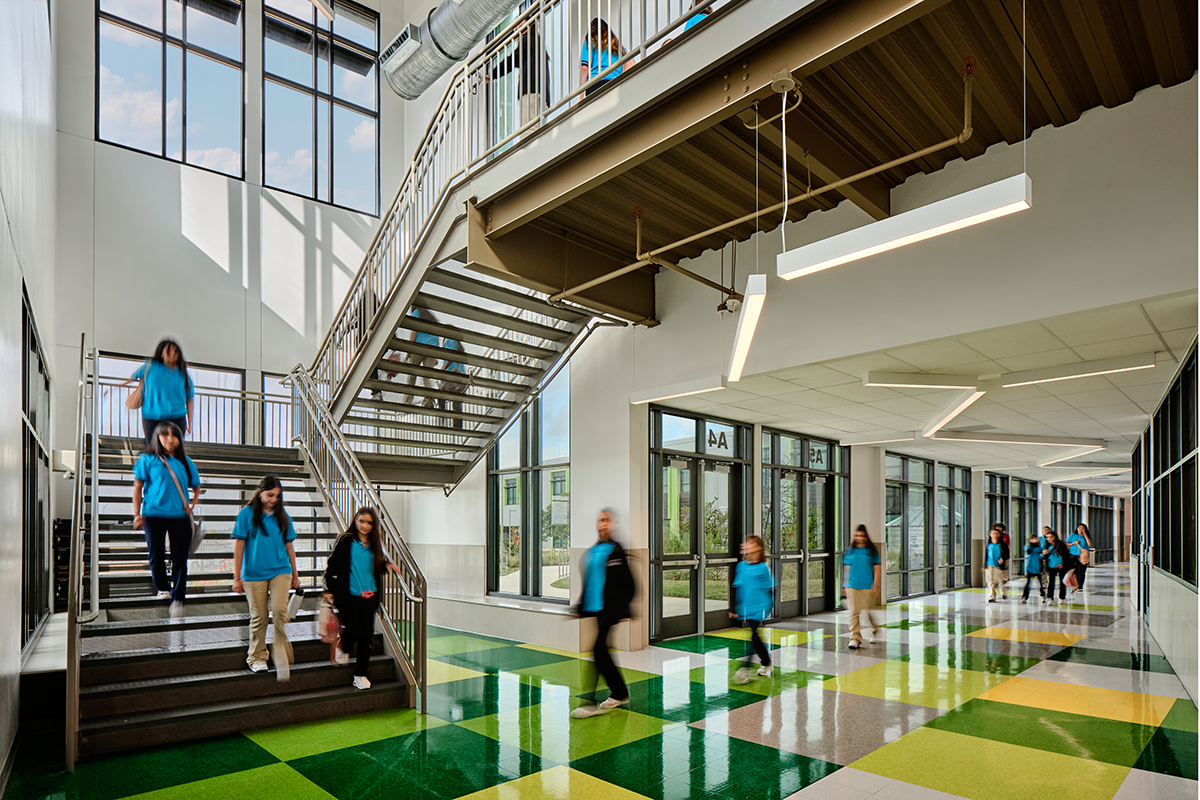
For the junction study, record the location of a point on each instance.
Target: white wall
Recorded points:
(1175, 624)
(27, 253)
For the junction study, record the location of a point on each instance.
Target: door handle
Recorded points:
(694, 563)
(720, 562)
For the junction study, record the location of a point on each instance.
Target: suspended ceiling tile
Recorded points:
(858, 411)
(1173, 313)
(862, 394)
(1047, 358)
(853, 426)
(1058, 418)
(812, 399)
(1179, 340)
(729, 396)
(1094, 383)
(794, 374)
(1143, 394)
(879, 362)
(1101, 325)
(767, 405)
(1037, 405)
(816, 417)
(937, 355)
(989, 367)
(827, 377)
(904, 405)
(1117, 413)
(1148, 343)
(765, 386)
(1012, 340)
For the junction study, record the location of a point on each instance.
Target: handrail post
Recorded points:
(94, 517)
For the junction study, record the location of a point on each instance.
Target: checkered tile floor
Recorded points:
(960, 698)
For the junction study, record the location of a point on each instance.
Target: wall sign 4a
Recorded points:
(818, 456)
(717, 440)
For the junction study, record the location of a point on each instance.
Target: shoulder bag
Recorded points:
(1085, 555)
(134, 401)
(196, 522)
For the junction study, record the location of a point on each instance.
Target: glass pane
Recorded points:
(944, 532)
(893, 584)
(816, 516)
(789, 524)
(944, 475)
(677, 510)
(916, 527)
(816, 579)
(354, 154)
(678, 433)
(893, 468)
(216, 26)
(301, 9)
(766, 449)
(509, 568)
(678, 592)
(716, 512)
(288, 51)
(556, 533)
(354, 76)
(175, 102)
(354, 25)
(716, 589)
(143, 12)
(818, 456)
(920, 471)
(214, 115)
(791, 451)
(960, 528)
(789, 585)
(918, 583)
(175, 18)
(768, 517)
(556, 418)
(323, 150)
(718, 439)
(893, 524)
(131, 88)
(288, 121)
(323, 67)
(510, 447)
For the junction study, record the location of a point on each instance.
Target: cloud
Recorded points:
(132, 11)
(363, 137)
(293, 173)
(222, 159)
(358, 88)
(128, 115)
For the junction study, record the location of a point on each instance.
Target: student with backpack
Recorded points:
(1033, 568)
(752, 600)
(997, 565)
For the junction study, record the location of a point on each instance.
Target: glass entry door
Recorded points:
(806, 543)
(819, 577)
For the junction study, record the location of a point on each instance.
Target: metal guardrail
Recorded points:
(346, 488)
(478, 117)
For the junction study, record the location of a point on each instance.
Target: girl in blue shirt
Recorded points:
(167, 390)
(861, 582)
(264, 569)
(601, 50)
(161, 512)
(1058, 559)
(997, 564)
(753, 599)
(1080, 542)
(1033, 568)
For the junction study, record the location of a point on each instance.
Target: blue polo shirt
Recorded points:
(696, 20)
(160, 498)
(753, 583)
(1076, 542)
(165, 391)
(994, 554)
(1033, 559)
(597, 570)
(598, 60)
(265, 553)
(422, 337)
(362, 569)
(1053, 560)
(454, 366)
(861, 561)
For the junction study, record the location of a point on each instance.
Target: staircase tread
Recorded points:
(198, 622)
(198, 678)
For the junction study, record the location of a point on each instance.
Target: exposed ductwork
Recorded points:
(445, 37)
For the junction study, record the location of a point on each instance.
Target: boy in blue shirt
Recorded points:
(1033, 568)
(997, 565)
(861, 581)
(752, 599)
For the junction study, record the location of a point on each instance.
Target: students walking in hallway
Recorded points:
(167, 391)
(861, 580)
(752, 600)
(1080, 543)
(1058, 559)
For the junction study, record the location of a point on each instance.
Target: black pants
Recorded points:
(178, 531)
(756, 644)
(605, 666)
(1080, 571)
(1058, 573)
(148, 425)
(1029, 576)
(357, 615)
(454, 406)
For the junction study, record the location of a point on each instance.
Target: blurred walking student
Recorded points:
(1033, 568)
(607, 593)
(352, 582)
(753, 599)
(264, 569)
(456, 381)
(419, 360)
(1080, 543)
(997, 565)
(530, 59)
(167, 389)
(1058, 559)
(861, 580)
(601, 49)
(1007, 540)
(162, 511)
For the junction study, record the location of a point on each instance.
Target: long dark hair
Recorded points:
(155, 448)
(867, 536)
(1059, 546)
(181, 366)
(373, 539)
(600, 29)
(267, 484)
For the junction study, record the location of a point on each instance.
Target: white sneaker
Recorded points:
(283, 670)
(1023, 601)
(258, 666)
(612, 702)
(874, 637)
(162, 595)
(586, 711)
(742, 676)
(765, 672)
(854, 645)
(341, 658)
(361, 682)
(176, 610)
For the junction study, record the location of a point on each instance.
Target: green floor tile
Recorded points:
(273, 782)
(679, 699)
(723, 675)
(574, 676)
(445, 762)
(549, 730)
(1000, 664)
(694, 764)
(38, 768)
(506, 658)
(935, 626)
(469, 698)
(1112, 658)
(1075, 735)
(460, 644)
(309, 738)
(1182, 716)
(1171, 752)
(734, 648)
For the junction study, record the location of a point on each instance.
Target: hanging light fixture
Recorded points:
(752, 305)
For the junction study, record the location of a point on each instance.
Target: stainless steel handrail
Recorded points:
(75, 566)
(346, 487)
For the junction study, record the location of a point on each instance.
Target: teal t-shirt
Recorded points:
(1076, 542)
(754, 584)
(1033, 559)
(597, 60)
(165, 391)
(362, 569)
(265, 553)
(160, 498)
(593, 586)
(861, 561)
(994, 554)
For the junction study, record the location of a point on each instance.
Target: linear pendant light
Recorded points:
(752, 305)
(969, 208)
(956, 407)
(699, 386)
(1084, 369)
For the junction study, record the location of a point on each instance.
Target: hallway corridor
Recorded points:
(962, 699)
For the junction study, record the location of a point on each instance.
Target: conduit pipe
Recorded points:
(653, 256)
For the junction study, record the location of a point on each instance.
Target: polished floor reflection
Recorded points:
(959, 698)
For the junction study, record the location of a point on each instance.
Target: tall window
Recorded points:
(1100, 526)
(218, 407)
(35, 416)
(908, 526)
(321, 103)
(1013, 502)
(529, 497)
(1066, 510)
(169, 77)
(953, 526)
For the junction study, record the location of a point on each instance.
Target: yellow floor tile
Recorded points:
(557, 783)
(1142, 709)
(1019, 635)
(918, 684)
(441, 672)
(552, 651)
(778, 636)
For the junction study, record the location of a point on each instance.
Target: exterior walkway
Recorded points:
(962, 699)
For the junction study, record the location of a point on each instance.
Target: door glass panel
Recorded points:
(818, 456)
(816, 579)
(789, 515)
(816, 515)
(916, 527)
(766, 449)
(767, 504)
(790, 582)
(678, 592)
(893, 522)
(943, 529)
(509, 568)
(791, 451)
(960, 527)
(718, 439)
(678, 433)
(716, 512)
(677, 510)
(716, 589)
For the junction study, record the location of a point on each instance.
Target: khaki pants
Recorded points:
(861, 600)
(259, 594)
(995, 581)
(530, 105)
